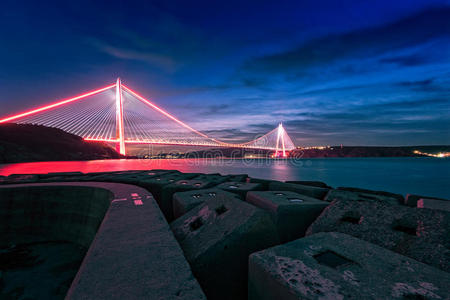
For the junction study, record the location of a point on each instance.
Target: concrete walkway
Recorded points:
(134, 254)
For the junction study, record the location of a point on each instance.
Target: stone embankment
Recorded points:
(163, 234)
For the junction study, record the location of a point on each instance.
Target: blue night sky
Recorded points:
(346, 72)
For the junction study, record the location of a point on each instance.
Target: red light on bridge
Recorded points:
(56, 104)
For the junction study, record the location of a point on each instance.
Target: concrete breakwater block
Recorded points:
(265, 182)
(411, 199)
(214, 179)
(422, 234)
(338, 266)
(217, 238)
(291, 212)
(132, 177)
(311, 191)
(133, 254)
(60, 174)
(434, 204)
(311, 183)
(400, 198)
(22, 178)
(359, 196)
(238, 177)
(167, 192)
(185, 201)
(155, 184)
(240, 188)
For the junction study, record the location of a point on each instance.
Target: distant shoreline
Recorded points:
(34, 143)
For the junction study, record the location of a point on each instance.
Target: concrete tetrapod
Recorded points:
(291, 212)
(422, 234)
(217, 238)
(338, 266)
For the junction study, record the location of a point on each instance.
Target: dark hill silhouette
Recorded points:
(26, 143)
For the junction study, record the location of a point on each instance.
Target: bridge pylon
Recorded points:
(120, 131)
(280, 141)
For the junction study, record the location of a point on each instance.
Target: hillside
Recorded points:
(336, 151)
(27, 143)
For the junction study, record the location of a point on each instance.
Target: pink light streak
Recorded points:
(59, 103)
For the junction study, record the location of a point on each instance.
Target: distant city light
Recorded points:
(440, 154)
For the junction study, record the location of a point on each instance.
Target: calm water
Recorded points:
(425, 176)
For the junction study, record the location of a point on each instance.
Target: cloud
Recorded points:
(406, 60)
(425, 82)
(154, 59)
(371, 42)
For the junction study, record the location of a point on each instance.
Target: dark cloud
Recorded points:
(408, 32)
(421, 83)
(407, 60)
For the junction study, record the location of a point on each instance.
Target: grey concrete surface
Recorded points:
(311, 191)
(185, 201)
(240, 188)
(431, 203)
(291, 212)
(359, 196)
(167, 192)
(422, 234)
(133, 253)
(411, 199)
(338, 266)
(217, 238)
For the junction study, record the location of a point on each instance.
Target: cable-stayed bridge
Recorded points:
(119, 115)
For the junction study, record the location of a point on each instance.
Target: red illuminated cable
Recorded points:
(55, 104)
(165, 113)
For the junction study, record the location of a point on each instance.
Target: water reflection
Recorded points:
(426, 176)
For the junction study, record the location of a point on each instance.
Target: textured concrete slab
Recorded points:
(131, 177)
(400, 198)
(238, 177)
(421, 234)
(240, 188)
(155, 184)
(137, 177)
(39, 270)
(214, 179)
(411, 199)
(265, 182)
(291, 212)
(185, 201)
(217, 238)
(338, 266)
(60, 174)
(359, 196)
(21, 178)
(167, 192)
(133, 253)
(30, 213)
(434, 204)
(311, 191)
(311, 183)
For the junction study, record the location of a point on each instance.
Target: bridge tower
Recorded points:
(280, 141)
(120, 132)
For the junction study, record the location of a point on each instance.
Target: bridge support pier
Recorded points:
(120, 146)
(280, 136)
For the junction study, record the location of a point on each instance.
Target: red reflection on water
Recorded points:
(185, 165)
